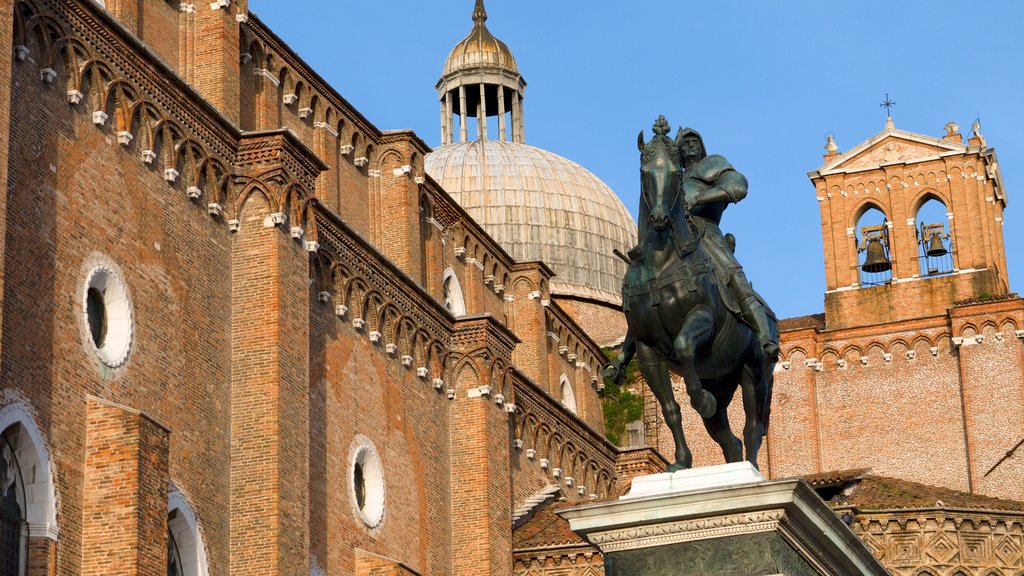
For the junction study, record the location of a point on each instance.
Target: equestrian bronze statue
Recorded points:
(688, 305)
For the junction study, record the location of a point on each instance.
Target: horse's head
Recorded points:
(660, 176)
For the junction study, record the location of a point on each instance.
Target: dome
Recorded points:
(480, 49)
(540, 206)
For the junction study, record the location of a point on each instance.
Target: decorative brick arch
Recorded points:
(41, 496)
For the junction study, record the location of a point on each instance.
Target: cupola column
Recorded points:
(448, 117)
(516, 137)
(482, 130)
(444, 123)
(501, 113)
(522, 124)
(462, 114)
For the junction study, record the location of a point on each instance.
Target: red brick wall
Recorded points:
(359, 389)
(125, 493)
(894, 398)
(80, 199)
(216, 59)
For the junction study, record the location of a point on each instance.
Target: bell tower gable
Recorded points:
(911, 224)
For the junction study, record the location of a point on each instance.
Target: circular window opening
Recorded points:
(368, 485)
(108, 315)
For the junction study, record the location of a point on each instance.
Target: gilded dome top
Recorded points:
(540, 206)
(480, 49)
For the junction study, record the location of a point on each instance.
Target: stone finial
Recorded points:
(889, 124)
(951, 128)
(830, 144)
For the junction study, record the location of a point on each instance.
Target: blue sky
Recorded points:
(763, 81)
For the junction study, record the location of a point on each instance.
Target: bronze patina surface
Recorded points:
(688, 305)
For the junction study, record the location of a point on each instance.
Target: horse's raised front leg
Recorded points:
(698, 328)
(655, 371)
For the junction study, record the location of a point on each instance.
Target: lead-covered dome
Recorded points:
(540, 206)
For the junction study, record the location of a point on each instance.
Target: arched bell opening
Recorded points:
(935, 250)
(874, 250)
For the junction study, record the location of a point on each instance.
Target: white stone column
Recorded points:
(462, 114)
(483, 112)
(444, 125)
(448, 116)
(501, 113)
(515, 117)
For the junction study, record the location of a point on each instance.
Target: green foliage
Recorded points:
(619, 404)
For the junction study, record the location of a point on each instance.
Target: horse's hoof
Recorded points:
(706, 406)
(676, 467)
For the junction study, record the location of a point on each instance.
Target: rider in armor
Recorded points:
(710, 184)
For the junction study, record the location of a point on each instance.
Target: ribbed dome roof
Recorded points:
(540, 206)
(480, 49)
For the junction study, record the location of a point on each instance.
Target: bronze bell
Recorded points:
(876, 260)
(935, 247)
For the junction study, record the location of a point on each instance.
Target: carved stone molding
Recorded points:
(688, 530)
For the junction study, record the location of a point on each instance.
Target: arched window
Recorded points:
(568, 396)
(935, 248)
(27, 496)
(872, 242)
(186, 554)
(453, 300)
(13, 524)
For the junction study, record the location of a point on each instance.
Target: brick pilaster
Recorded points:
(216, 58)
(124, 510)
(528, 321)
(270, 370)
(480, 444)
(6, 63)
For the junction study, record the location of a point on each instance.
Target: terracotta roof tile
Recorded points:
(880, 493)
(802, 323)
(546, 529)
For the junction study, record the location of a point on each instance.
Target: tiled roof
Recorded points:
(802, 322)
(546, 529)
(881, 493)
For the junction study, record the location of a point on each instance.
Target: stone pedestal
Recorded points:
(721, 521)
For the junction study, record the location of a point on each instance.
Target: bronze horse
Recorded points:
(678, 321)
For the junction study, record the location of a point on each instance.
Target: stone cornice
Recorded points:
(480, 330)
(393, 136)
(534, 266)
(281, 146)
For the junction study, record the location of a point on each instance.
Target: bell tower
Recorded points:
(911, 224)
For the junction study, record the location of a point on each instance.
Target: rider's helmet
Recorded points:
(685, 133)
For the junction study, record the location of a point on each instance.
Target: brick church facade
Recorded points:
(244, 332)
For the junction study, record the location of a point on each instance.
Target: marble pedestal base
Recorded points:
(721, 521)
